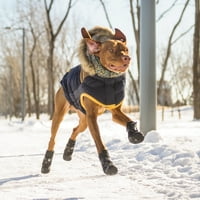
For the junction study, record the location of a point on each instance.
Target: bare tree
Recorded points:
(51, 40)
(34, 29)
(11, 73)
(169, 46)
(136, 30)
(37, 56)
(35, 83)
(196, 62)
(181, 77)
(135, 18)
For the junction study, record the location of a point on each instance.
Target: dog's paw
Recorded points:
(134, 135)
(110, 169)
(46, 164)
(136, 138)
(67, 155)
(107, 165)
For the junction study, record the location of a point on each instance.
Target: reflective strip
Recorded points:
(110, 107)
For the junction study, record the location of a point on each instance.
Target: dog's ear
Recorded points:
(93, 46)
(85, 33)
(119, 35)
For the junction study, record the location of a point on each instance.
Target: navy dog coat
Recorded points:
(107, 92)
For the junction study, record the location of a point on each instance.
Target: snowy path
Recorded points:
(165, 166)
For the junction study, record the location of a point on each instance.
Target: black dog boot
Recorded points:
(67, 155)
(134, 135)
(107, 164)
(46, 164)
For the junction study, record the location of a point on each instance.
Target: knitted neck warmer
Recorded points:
(100, 70)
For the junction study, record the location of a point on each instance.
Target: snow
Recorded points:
(165, 166)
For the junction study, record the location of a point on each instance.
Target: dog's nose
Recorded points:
(126, 59)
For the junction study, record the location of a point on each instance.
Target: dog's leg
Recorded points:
(134, 135)
(61, 107)
(67, 155)
(92, 111)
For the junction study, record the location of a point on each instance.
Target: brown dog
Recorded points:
(90, 88)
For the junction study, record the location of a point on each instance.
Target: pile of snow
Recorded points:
(153, 137)
(165, 166)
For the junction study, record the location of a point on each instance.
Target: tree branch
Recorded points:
(65, 17)
(182, 34)
(166, 11)
(106, 13)
(135, 30)
(48, 9)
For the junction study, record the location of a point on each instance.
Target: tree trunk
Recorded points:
(52, 38)
(136, 31)
(29, 110)
(51, 91)
(37, 106)
(196, 62)
(33, 74)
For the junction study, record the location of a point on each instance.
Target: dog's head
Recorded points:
(109, 47)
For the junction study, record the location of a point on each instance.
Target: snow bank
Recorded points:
(165, 166)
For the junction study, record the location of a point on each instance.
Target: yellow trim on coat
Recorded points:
(109, 107)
